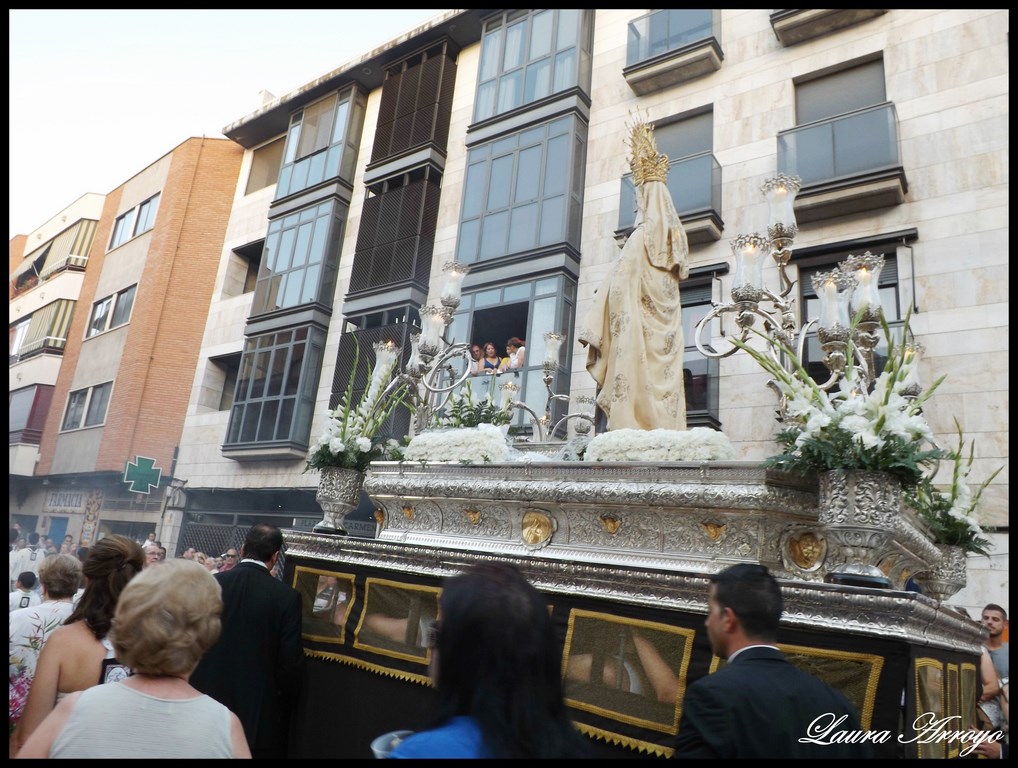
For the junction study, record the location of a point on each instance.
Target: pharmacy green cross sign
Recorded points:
(142, 475)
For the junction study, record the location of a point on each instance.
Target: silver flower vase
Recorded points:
(859, 511)
(339, 494)
(949, 576)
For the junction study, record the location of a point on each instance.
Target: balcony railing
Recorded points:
(68, 262)
(694, 183)
(32, 348)
(840, 147)
(668, 30)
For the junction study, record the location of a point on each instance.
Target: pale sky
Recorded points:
(98, 95)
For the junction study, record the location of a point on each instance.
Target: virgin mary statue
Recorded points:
(633, 332)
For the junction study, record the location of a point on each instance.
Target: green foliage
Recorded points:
(463, 409)
(950, 513)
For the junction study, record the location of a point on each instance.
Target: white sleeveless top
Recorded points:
(115, 721)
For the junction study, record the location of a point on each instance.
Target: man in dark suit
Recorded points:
(255, 666)
(759, 705)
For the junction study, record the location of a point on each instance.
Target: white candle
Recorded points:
(553, 345)
(415, 339)
(432, 328)
(912, 365)
(829, 310)
(453, 286)
(863, 291)
(385, 357)
(507, 395)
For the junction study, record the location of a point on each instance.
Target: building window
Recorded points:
(322, 142)
(667, 30)
(111, 312)
(27, 412)
(300, 259)
(416, 103)
(134, 222)
(527, 310)
(523, 191)
(845, 127)
(229, 365)
(90, 403)
(700, 374)
(889, 301)
(146, 215)
(265, 162)
(18, 333)
(527, 55)
(693, 174)
(242, 269)
(276, 388)
(122, 229)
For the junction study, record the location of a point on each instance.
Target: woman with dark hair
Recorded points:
(497, 666)
(490, 362)
(78, 655)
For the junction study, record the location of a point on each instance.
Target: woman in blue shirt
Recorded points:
(496, 664)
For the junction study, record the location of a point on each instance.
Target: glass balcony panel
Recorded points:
(839, 147)
(694, 183)
(667, 30)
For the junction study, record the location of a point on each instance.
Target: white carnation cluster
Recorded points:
(697, 444)
(470, 445)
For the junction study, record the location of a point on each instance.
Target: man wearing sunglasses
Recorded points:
(229, 560)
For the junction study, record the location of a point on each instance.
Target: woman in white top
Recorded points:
(165, 621)
(517, 354)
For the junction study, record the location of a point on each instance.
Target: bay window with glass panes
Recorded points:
(527, 309)
(276, 387)
(528, 55)
(322, 142)
(523, 192)
(300, 259)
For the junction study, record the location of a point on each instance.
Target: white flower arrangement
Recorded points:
(849, 428)
(350, 436)
(697, 444)
(472, 445)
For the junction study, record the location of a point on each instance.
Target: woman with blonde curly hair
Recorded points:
(165, 621)
(78, 655)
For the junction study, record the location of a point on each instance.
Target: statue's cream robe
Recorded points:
(633, 332)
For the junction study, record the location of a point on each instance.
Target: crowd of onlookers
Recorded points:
(106, 651)
(116, 658)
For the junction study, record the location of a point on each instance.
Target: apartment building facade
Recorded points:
(496, 139)
(120, 344)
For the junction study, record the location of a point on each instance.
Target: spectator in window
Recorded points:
(517, 354)
(491, 363)
(476, 353)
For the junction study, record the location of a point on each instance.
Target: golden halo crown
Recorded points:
(645, 161)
